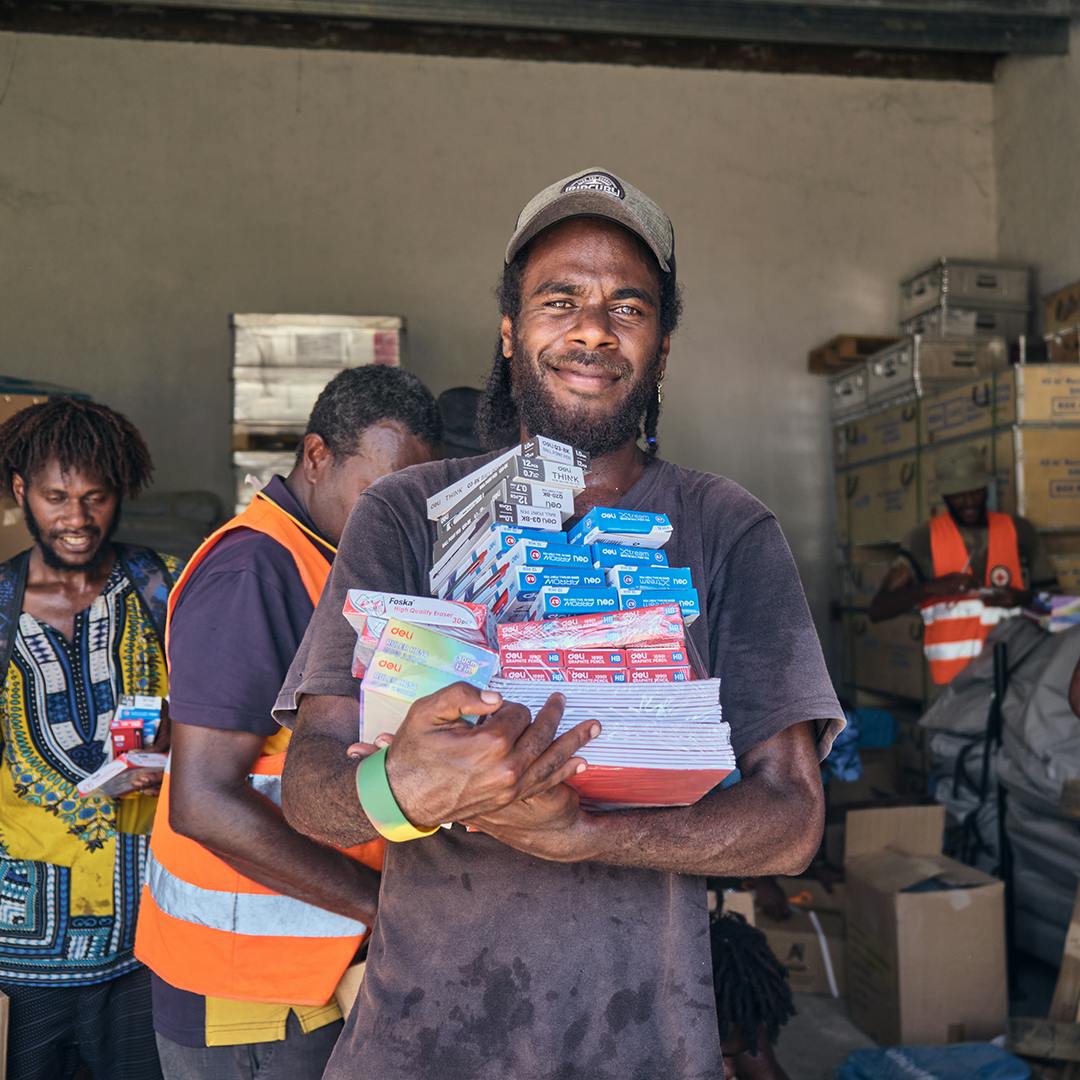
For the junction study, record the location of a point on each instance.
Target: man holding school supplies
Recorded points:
(965, 569)
(246, 925)
(553, 941)
(82, 623)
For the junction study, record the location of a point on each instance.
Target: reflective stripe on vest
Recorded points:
(253, 914)
(955, 630)
(203, 926)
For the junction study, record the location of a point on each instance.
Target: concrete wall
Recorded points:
(1037, 163)
(147, 190)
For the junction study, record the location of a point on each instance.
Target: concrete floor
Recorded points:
(818, 1038)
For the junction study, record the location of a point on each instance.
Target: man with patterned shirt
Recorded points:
(81, 622)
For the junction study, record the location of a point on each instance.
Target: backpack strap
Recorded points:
(146, 570)
(12, 588)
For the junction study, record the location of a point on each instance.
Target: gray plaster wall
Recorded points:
(148, 189)
(1037, 162)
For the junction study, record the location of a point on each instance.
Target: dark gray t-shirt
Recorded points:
(486, 963)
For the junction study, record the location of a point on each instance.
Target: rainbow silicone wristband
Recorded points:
(378, 802)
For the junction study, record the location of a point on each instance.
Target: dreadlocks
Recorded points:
(750, 984)
(497, 420)
(78, 435)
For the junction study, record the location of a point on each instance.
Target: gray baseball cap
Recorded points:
(597, 192)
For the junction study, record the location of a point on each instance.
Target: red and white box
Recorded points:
(662, 675)
(531, 658)
(594, 658)
(670, 654)
(638, 626)
(126, 735)
(566, 675)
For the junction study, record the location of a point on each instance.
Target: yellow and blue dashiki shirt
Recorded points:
(69, 879)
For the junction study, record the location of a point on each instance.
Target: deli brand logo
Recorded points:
(388, 665)
(400, 631)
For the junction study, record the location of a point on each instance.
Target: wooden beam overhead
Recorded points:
(978, 26)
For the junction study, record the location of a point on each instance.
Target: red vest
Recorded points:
(956, 629)
(205, 927)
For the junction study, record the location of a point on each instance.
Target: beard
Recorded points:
(580, 426)
(55, 561)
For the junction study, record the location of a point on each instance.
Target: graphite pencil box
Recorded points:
(638, 528)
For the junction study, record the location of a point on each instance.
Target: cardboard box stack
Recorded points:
(597, 611)
(923, 397)
(280, 365)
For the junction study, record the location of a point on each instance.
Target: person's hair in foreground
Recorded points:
(356, 398)
(753, 998)
(78, 435)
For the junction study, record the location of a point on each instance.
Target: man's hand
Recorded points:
(950, 585)
(442, 768)
(548, 825)
(148, 783)
(1005, 598)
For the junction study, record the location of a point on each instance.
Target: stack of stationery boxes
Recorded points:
(499, 543)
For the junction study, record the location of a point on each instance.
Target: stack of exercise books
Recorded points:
(657, 747)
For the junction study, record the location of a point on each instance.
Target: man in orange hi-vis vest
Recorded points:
(966, 569)
(246, 925)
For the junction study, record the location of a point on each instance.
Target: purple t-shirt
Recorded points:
(486, 963)
(233, 635)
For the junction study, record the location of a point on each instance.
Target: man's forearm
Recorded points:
(890, 604)
(249, 833)
(769, 823)
(741, 831)
(318, 786)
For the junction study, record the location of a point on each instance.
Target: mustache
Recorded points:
(582, 358)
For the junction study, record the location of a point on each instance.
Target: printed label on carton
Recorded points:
(687, 599)
(565, 675)
(530, 658)
(614, 555)
(593, 658)
(641, 658)
(636, 527)
(661, 675)
(551, 603)
(654, 577)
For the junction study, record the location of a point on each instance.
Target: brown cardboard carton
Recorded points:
(925, 955)
(894, 430)
(883, 499)
(1045, 466)
(809, 956)
(888, 656)
(1067, 568)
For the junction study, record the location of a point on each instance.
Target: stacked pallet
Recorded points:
(280, 365)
